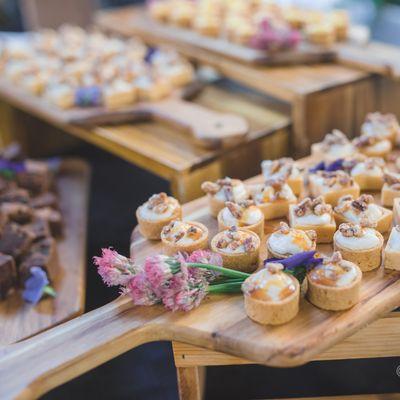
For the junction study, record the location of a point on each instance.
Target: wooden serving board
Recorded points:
(19, 320)
(33, 367)
(140, 23)
(208, 128)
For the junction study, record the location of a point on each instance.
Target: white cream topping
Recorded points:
(177, 229)
(394, 240)
(361, 169)
(368, 240)
(239, 192)
(381, 146)
(341, 150)
(266, 167)
(312, 219)
(340, 276)
(373, 213)
(262, 194)
(294, 242)
(150, 215)
(251, 216)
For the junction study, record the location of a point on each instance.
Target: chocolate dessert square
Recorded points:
(47, 199)
(8, 275)
(42, 254)
(36, 177)
(15, 195)
(16, 212)
(53, 218)
(15, 240)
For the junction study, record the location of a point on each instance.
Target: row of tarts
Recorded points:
(322, 204)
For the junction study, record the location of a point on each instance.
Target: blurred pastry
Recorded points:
(391, 255)
(335, 145)
(368, 173)
(373, 146)
(390, 189)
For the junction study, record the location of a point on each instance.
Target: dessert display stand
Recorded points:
(219, 328)
(19, 320)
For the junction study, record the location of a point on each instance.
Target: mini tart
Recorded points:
(313, 215)
(368, 174)
(271, 296)
(152, 89)
(119, 94)
(390, 189)
(322, 33)
(238, 247)
(362, 246)
(184, 237)
(286, 242)
(396, 211)
(383, 125)
(332, 186)
(157, 212)
(373, 146)
(284, 168)
(224, 190)
(335, 145)
(391, 255)
(243, 215)
(273, 198)
(334, 284)
(363, 208)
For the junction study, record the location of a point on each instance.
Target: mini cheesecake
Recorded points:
(284, 168)
(373, 146)
(273, 198)
(334, 284)
(314, 215)
(332, 185)
(243, 215)
(157, 212)
(361, 209)
(271, 296)
(322, 33)
(152, 88)
(382, 125)
(335, 145)
(360, 245)
(286, 241)
(368, 174)
(118, 94)
(390, 189)
(391, 255)
(396, 211)
(184, 237)
(238, 247)
(224, 190)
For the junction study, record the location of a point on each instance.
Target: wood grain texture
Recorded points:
(143, 25)
(19, 320)
(219, 324)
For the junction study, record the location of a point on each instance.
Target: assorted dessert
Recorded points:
(30, 220)
(72, 67)
(253, 234)
(261, 25)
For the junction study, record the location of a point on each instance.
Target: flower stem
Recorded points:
(230, 287)
(224, 271)
(49, 291)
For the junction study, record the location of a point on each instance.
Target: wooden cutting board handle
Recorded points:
(33, 367)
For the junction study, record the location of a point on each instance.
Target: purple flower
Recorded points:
(335, 165)
(35, 285)
(14, 166)
(318, 167)
(88, 96)
(305, 258)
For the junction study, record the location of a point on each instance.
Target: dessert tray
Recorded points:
(21, 320)
(136, 20)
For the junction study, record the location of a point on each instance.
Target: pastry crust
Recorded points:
(391, 257)
(257, 228)
(277, 209)
(388, 195)
(367, 260)
(332, 297)
(297, 185)
(273, 312)
(368, 182)
(215, 205)
(324, 232)
(246, 262)
(382, 225)
(333, 196)
(171, 248)
(396, 211)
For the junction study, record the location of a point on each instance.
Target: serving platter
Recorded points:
(19, 320)
(219, 324)
(137, 20)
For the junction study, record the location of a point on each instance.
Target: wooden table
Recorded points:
(321, 96)
(164, 150)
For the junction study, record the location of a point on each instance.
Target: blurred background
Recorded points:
(148, 372)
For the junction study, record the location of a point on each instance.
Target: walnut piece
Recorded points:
(351, 229)
(392, 179)
(284, 228)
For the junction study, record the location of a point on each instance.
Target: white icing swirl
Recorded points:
(361, 169)
(313, 219)
(339, 275)
(294, 242)
(251, 216)
(373, 213)
(369, 240)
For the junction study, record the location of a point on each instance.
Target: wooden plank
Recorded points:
(150, 29)
(19, 320)
(191, 383)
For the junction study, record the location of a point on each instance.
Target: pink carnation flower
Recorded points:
(140, 290)
(114, 268)
(205, 257)
(158, 272)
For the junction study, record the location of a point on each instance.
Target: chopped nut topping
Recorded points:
(158, 203)
(309, 206)
(226, 185)
(331, 178)
(237, 209)
(350, 230)
(336, 258)
(278, 187)
(392, 179)
(312, 235)
(284, 228)
(335, 138)
(373, 162)
(234, 238)
(274, 267)
(210, 187)
(366, 140)
(361, 204)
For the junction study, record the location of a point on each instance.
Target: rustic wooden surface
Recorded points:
(19, 320)
(150, 29)
(219, 324)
